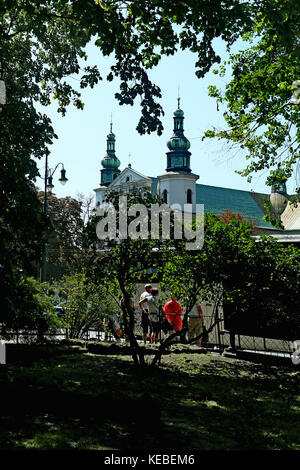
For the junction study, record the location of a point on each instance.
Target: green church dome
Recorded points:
(178, 142)
(110, 162)
(178, 112)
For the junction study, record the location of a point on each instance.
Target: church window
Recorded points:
(165, 196)
(189, 196)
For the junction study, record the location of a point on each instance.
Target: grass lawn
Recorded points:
(61, 397)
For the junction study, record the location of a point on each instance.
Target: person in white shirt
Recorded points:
(153, 315)
(146, 326)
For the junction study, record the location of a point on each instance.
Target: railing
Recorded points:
(218, 338)
(24, 335)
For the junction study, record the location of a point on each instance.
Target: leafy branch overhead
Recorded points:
(261, 112)
(53, 35)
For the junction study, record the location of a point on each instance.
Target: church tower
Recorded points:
(110, 162)
(178, 158)
(178, 184)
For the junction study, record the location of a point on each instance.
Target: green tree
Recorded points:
(255, 281)
(200, 275)
(65, 253)
(37, 51)
(119, 264)
(261, 115)
(86, 304)
(49, 38)
(261, 293)
(259, 278)
(35, 312)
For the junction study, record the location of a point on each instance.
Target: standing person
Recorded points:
(173, 312)
(153, 315)
(112, 327)
(133, 312)
(117, 326)
(196, 321)
(143, 304)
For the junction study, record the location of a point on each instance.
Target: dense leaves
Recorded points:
(53, 36)
(65, 253)
(85, 304)
(255, 280)
(35, 311)
(262, 115)
(35, 54)
(262, 290)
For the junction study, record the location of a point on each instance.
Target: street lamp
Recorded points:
(49, 186)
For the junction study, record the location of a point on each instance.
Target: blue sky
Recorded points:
(82, 134)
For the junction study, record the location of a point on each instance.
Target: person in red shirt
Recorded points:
(173, 312)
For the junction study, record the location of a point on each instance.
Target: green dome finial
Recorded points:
(178, 111)
(111, 135)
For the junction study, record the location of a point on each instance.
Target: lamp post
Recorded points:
(49, 185)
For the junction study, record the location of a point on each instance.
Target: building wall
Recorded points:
(177, 187)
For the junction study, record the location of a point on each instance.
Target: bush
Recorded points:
(35, 311)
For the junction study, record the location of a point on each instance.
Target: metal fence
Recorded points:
(223, 339)
(218, 338)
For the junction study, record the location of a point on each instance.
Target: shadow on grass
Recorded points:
(65, 399)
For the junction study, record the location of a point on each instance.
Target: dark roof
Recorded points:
(249, 204)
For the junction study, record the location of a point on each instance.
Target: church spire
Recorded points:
(178, 98)
(110, 162)
(178, 158)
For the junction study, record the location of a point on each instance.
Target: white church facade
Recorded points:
(179, 185)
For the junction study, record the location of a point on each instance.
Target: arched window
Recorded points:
(165, 196)
(189, 196)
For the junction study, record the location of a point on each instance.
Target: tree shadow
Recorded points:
(91, 402)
